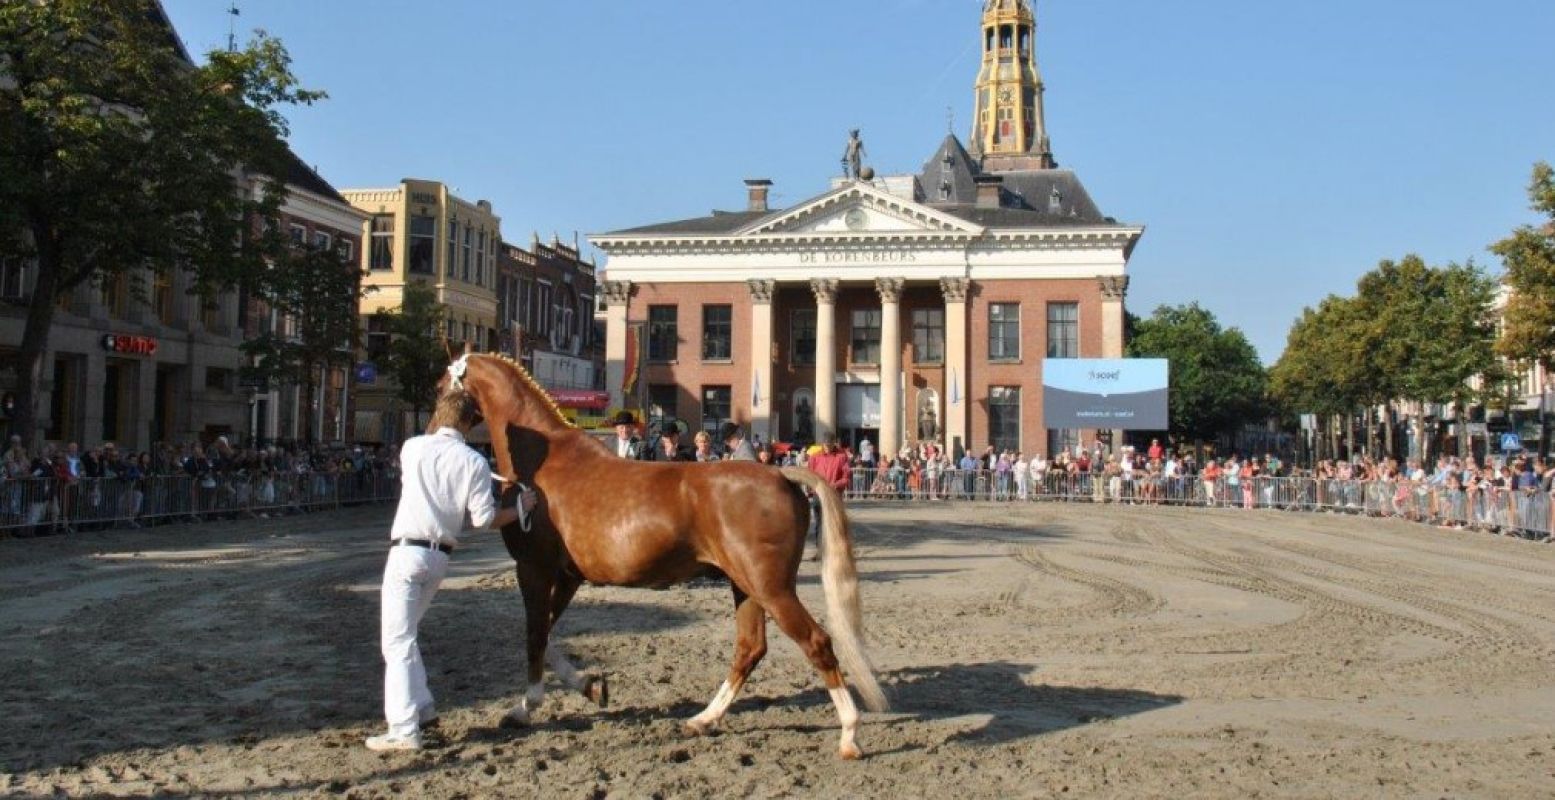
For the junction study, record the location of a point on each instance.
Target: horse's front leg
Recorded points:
(536, 587)
(593, 687)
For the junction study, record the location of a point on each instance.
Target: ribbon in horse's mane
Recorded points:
(457, 370)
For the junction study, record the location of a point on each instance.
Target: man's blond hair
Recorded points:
(455, 409)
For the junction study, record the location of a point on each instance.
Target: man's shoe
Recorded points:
(389, 741)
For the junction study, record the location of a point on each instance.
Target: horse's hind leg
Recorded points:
(796, 621)
(750, 645)
(594, 688)
(536, 588)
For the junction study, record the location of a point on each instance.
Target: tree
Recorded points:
(1217, 381)
(1411, 332)
(416, 356)
(121, 157)
(1528, 333)
(315, 292)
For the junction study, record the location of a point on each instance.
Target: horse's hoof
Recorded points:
(514, 719)
(698, 728)
(597, 689)
(850, 752)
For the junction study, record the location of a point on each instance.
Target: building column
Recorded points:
(145, 405)
(890, 290)
(93, 385)
(763, 417)
(1113, 290)
(825, 290)
(957, 382)
(617, 295)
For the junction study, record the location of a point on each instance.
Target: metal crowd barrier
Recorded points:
(1523, 512)
(49, 505)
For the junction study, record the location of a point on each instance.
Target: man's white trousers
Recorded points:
(410, 580)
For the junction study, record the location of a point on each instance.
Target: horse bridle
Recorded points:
(456, 372)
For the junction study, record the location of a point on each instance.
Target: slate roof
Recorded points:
(303, 177)
(1047, 198)
(948, 175)
(719, 222)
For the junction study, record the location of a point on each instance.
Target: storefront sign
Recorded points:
(130, 345)
(1123, 394)
(580, 398)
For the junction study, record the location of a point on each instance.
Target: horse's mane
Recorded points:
(523, 375)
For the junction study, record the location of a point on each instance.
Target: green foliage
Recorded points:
(416, 356)
(1411, 332)
(1528, 334)
(1217, 382)
(119, 156)
(316, 292)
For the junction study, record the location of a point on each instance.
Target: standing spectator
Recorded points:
(1155, 452)
(628, 446)
(734, 439)
(832, 466)
(1210, 477)
(968, 467)
(1022, 469)
(667, 446)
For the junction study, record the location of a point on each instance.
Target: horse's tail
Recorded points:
(839, 579)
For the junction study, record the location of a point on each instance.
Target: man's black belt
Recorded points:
(430, 545)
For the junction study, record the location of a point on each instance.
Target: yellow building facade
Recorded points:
(420, 231)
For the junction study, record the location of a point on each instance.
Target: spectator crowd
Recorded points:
(61, 489)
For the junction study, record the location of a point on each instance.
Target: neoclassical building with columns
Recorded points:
(898, 308)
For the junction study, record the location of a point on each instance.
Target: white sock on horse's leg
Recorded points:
(532, 698)
(564, 669)
(714, 713)
(848, 714)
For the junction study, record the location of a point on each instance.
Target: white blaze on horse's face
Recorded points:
(456, 372)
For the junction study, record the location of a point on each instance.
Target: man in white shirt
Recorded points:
(442, 479)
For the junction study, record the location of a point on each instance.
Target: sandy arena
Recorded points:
(1030, 651)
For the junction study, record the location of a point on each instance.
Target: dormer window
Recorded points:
(1055, 202)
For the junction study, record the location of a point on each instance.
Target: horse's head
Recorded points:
(520, 416)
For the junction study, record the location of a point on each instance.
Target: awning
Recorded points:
(580, 398)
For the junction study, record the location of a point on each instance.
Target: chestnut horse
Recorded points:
(616, 522)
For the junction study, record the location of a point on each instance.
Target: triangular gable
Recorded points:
(885, 212)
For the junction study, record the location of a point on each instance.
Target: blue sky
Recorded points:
(1274, 150)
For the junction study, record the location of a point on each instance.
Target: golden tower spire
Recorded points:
(1008, 129)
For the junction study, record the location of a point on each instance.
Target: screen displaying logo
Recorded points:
(1113, 393)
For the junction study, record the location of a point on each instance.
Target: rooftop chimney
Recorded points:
(988, 188)
(758, 188)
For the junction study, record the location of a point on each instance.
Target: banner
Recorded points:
(629, 381)
(1126, 394)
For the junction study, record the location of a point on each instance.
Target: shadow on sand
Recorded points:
(1018, 709)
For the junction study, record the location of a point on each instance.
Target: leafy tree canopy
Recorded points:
(1217, 381)
(120, 156)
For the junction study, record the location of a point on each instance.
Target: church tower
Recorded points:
(1009, 133)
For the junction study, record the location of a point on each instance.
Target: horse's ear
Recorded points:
(469, 348)
(448, 347)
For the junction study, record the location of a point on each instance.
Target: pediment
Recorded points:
(859, 209)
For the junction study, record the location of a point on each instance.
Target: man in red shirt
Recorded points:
(832, 466)
(1155, 451)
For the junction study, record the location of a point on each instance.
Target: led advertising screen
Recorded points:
(1109, 393)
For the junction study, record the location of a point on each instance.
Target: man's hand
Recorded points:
(527, 500)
